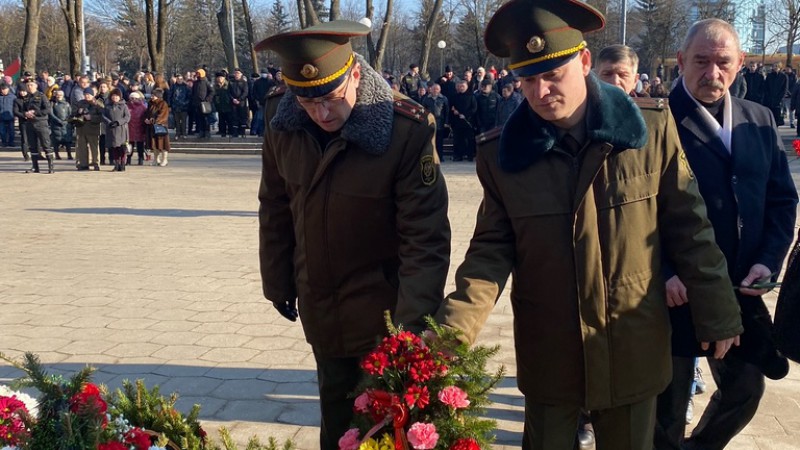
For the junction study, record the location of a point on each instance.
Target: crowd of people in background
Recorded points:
(81, 112)
(106, 119)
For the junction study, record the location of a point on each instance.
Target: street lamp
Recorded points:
(441, 45)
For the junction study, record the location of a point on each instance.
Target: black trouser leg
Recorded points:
(671, 405)
(740, 386)
(337, 377)
(103, 149)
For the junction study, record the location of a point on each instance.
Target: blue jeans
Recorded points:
(7, 132)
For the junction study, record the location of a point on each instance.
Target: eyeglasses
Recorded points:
(326, 102)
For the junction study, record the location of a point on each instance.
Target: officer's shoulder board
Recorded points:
(651, 103)
(409, 108)
(489, 136)
(275, 91)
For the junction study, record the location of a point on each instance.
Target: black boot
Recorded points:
(69, 153)
(129, 159)
(35, 163)
(50, 163)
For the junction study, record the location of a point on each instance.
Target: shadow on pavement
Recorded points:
(281, 396)
(151, 212)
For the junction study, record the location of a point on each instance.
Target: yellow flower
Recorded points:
(369, 444)
(387, 443)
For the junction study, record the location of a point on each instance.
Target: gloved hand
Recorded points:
(113, 124)
(287, 309)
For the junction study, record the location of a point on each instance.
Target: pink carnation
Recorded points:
(422, 436)
(350, 440)
(362, 403)
(453, 397)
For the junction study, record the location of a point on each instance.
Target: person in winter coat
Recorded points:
(487, 101)
(508, 103)
(157, 113)
(136, 126)
(179, 103)
(585, 188)
(202, 92)
(238, 91)
(117, 116)
(7, 115)
(439, 107)
(86, 118)
(463, 108)
(775, 88)
(223, 104)
(19, 113)
(357, 230)
(61, 130)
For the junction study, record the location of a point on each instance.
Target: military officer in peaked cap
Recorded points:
(583, 191)
(353, 217)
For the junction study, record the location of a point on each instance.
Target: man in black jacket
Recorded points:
(463, 108)
(755, 84)
(259, 95)
(36, 109)
(775, 88)
(487, 101)
(202, 92)
(238, 91)
(437, 104)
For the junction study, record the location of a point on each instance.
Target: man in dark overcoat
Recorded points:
(775, 88)
(353, 218)
(583, 193)
(755, 83)
(738, 160)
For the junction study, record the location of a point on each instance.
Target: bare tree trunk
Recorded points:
(301, 13)
(335, 10)
(250, 35)
(72, 15)
(370, 42)
(223, 19)
(311, 14)
(430, 24)
(33, 11)
(156, 33)
(385, 27)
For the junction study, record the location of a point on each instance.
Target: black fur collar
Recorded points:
(612, 118)
(369, 126)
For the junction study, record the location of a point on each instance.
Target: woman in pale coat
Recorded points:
(116, 117)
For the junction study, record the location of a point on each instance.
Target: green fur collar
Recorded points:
(613, 119)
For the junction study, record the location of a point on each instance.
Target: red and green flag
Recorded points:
(13, 70)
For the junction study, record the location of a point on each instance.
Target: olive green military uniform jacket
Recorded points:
(583, 237)
(357, 227)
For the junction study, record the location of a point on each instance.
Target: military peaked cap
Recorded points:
(540, 35)
(316, 60)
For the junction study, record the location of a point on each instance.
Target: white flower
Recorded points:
(9, 448)
(31, 403)
(155, 447)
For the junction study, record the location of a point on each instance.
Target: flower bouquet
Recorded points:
(423, 394)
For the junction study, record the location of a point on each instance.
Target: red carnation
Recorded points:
(796, 146)
(89, 401)
(465, 444)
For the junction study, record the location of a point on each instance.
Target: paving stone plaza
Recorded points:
(153, 273)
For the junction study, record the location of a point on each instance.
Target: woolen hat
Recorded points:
(316, 60)
(540, 35)
(88, 90)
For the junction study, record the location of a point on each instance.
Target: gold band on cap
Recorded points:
(555, 55)
(321, 81)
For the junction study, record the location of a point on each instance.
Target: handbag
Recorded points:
(160, 130)
(205, 107)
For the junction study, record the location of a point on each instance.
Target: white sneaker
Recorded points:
(690, 411)
(699, 383)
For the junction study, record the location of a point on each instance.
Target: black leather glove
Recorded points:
(113, 124)
(287, 309)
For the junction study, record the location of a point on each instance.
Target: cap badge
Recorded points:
(535, 44)
(309, 71)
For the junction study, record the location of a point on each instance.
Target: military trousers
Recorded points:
(553, 427)
(37, 134)
(337, 378)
